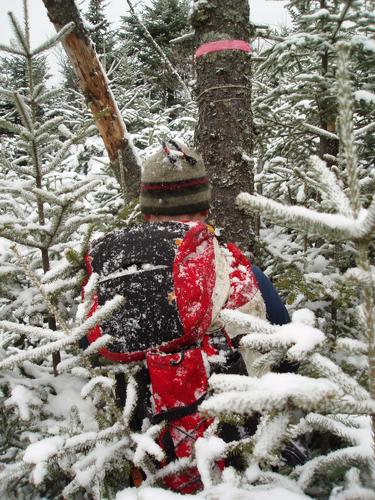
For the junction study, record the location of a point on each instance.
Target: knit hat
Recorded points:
(174, 182)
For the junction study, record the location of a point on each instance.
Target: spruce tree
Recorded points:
(42, 216)
(346, 465)
(165, 20)
(295, 116)
(100, 32)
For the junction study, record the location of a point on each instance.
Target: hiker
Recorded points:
(175, 188)
(176, 277)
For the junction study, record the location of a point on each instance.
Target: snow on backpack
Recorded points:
(167, 274)
(175, 281)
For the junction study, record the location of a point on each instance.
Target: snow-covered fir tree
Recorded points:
(45, 214)
(55, 427)
(323, 474)
(295, 112)
(65, 435)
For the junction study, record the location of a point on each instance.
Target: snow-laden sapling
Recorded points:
(321, 399)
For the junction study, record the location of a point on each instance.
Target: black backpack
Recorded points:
(166, 272)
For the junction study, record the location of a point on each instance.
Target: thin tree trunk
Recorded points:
(94, 85)
(328, 114)
(56, 357)
(224, 132)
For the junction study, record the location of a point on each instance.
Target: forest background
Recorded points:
(309, 155)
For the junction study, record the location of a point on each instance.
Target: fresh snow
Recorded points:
(43, 449)
(247, 395)
(221, 492)
(365, 95)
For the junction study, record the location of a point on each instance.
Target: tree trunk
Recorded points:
(328, 113)
(94, 85)
(224, 132)
(327, 117)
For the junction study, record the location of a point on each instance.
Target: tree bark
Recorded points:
(224, 133)
(94, 85)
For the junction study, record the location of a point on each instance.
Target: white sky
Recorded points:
(261, 11)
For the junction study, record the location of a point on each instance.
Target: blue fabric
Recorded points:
(277, 313)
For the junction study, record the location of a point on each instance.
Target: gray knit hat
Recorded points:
(174, 182)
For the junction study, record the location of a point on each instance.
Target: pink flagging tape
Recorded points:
(220, 45)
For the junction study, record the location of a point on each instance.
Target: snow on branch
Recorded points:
(361, 454)
(89, 292)
(268, 436)
(239, 323)
(368, 224)
(130, 400)
(329, 369)
(31, 331)
(76, 334)
(146, 445)
(271, 392)
(320, 131)
(207, 451)
(352, 346)
(298, 337)
(348, 153)
(105, 383)
(330, 225)
(330, 187)
(302, 338)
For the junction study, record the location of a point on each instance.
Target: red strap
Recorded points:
(220, 45)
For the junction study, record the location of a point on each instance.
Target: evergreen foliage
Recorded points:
(101, 33)
(165, 20)
(296, 109)
(345, 220)
(64, 435)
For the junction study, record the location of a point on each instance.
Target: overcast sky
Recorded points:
(261, 11)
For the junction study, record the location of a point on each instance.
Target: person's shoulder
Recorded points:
(277, 313)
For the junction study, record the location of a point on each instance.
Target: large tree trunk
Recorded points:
(94, 85)
(225, 130)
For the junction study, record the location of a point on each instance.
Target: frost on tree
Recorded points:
(336, 412)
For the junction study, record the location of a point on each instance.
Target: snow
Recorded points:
(43, 449)
(304, 337)
(39, 472)
(146, 445)
(151, 494)
(133, 269)
(68, 388)
(241, 323)
(319, 264)
(305, 316)
(365, 95)
(23, 398)
(221, 492)
(80, 439)
(350, 227)
(48, 406)
(246, 395)
(105, 383)
(207, 451)
(364, 42)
